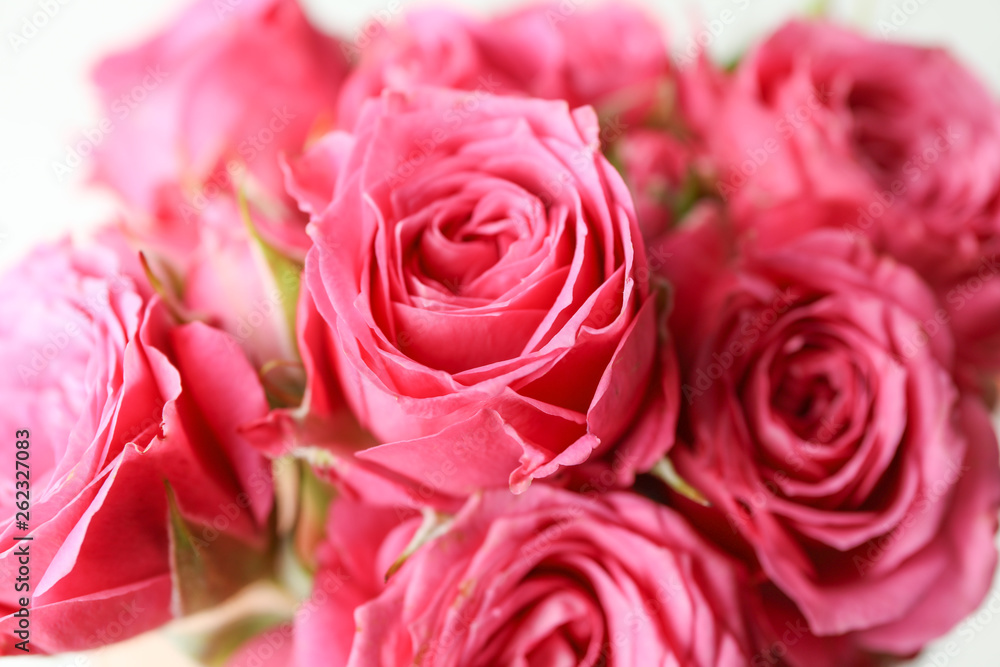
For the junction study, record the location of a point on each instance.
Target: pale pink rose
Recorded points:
(219, 269)
(911, 121)
(822, 424)
(119, 401)
(903, 137)
(611, 57)
(548, 578)
(488, 291)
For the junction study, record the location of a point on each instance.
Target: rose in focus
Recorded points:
(480, 268)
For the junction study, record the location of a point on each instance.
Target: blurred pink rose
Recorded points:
(611, 57)
(119, 401)
(785, 639)
(210, 103)
(657, 167)
(903, 137)
(488, 290)
(822, 423)
(548, 578)
(665, 158)
(199, 118)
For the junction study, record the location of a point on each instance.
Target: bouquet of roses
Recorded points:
(513, 341)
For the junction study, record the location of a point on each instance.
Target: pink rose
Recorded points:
(660, 171)
(785, 639)
(822, 424)
(547, 578)
(206, 107)
(487, 288)
(911, 123)
(611, 57)
(903, 137)
(665, 159)
(199, 119)
(118, 401)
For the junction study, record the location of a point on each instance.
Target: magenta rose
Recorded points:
(547, 578)
(488, 293)
(903, 137)
(118, 405)
(611, 57)
(822, 425)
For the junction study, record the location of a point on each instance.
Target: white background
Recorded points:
(46, 100)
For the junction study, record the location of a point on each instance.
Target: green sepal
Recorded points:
(207, 572)
(286, 272)
(664, 471)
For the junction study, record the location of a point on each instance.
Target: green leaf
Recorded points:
(692, 191)
(302, 504)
